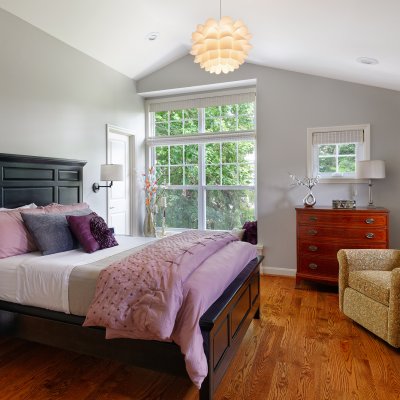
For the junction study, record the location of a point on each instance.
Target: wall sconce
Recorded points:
(370, 169)
(109, 172)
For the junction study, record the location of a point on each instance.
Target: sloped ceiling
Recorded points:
(311, 36)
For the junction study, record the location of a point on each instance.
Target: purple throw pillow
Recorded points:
(80, 227)
(250, 232)
(102, 233)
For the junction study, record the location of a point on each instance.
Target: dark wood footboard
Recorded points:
(223, 326)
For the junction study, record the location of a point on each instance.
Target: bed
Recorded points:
(26, 179)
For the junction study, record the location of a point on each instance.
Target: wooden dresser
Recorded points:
(322, 231)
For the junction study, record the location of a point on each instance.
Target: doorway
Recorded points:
(120, 198)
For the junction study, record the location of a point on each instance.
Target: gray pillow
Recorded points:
(51, 232)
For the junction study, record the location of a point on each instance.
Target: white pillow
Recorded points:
(32, 205)
(238, 232)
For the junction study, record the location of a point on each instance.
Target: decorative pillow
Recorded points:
(51, 232)
(80, 227)
(250, 234)
(102, 233)
(56, 208)
(14, 237)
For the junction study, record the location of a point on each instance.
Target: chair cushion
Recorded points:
(373, 284)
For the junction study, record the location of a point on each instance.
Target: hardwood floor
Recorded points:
(302, 348)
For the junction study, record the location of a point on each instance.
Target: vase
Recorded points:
(309, 200)
(149, 227)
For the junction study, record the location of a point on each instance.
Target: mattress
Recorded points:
(43, 281)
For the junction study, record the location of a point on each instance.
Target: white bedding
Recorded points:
(42, 281)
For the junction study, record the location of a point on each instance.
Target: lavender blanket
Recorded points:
(153, 294)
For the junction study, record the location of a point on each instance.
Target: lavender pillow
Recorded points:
(80, 227)
(102, 233)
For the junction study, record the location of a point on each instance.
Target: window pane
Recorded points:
(327, 164)
(176, 155)
(162, 175)
(213, 155)
(213, 111)
(176, 115)
(246, 152)
(192, 175)
(229, 110)
(348, 148)
(176, 176)
(229, 152)
(162, 155)
(229, 175)
(191, 126)
(182, 209)
(246, 174)
(246, 109)
(228, 124)
(191, 154)
(228, 209)
(191, 113)
(213, 175)
(176, 128)
(161, 116)
(347, 164)
(161, 129)
(246, 123)
(213, 125)
(327, 149)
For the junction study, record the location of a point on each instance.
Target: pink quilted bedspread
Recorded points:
(139, 297)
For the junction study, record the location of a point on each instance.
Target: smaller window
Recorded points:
(334, 151)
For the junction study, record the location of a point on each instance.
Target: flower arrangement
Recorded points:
(150, 188)
(306, 182)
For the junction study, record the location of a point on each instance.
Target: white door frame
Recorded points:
(132, 160)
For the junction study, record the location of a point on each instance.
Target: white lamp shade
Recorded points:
(370, 169)
(111, 172)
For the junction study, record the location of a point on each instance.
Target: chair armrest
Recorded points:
(394, 309)
(364, 259)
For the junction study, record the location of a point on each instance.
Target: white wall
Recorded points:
(55, 101)
(287, 104)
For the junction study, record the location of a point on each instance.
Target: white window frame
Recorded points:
(363, 152)
(204, 137)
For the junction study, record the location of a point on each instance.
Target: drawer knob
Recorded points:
(312, 248)
(313, 218)
(312, 232)
(312, 266)
(370, 235)
(369, 221)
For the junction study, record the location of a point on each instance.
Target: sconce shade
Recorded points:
(111, 172)
(370, 169)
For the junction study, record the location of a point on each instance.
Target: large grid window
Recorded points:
(205, 159)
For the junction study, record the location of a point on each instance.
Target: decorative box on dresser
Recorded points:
(322, 231)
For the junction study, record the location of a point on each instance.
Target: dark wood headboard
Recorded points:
(39, 180)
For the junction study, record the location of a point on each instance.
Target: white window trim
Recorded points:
(366, 153)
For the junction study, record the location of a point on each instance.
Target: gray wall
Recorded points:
(55, 101)
(287, 104)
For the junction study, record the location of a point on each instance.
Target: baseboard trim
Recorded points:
(265, 270)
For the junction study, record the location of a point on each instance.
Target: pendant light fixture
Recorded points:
(221, 46)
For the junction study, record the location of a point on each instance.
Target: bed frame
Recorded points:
(26, 179)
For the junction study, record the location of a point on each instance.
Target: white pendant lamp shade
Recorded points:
(221, 46)
(111, 172)
(370, 169)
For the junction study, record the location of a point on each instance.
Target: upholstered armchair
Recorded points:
(369, 290)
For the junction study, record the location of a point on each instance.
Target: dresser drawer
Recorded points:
(327, 266)
(366, 235)
(343, 218)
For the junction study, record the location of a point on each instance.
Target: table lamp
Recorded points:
(370, 169)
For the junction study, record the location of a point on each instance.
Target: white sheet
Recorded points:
(41, 281)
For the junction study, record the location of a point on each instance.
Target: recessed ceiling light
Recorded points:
(152, 35)
(367, 60)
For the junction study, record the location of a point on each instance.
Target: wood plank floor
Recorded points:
(302, 348)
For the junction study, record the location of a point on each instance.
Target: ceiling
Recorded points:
(311, 36)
